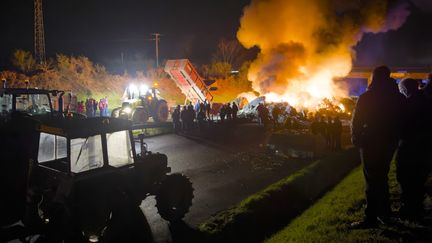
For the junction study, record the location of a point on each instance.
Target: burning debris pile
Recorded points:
(305, 44)
(300, 118)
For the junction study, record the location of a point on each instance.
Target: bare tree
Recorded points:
(229, 51)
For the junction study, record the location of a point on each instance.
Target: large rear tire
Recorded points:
(161, 111)
(139, 116)
(174, 197)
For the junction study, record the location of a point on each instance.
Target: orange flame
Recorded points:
(306, 44)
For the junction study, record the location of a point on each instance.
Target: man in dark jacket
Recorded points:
(413, 165)
(337, 134)
(375, 130)
(275, 114)
(234, 110)
(176, 119)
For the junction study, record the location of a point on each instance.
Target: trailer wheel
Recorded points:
(174, 197)
(140, 116)
(161, 111)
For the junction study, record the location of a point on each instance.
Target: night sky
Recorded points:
(103, 29)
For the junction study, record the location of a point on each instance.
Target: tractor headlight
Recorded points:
(93, 238)
(127, 110)
(143, 89)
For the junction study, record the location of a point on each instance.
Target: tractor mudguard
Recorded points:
(149, 170)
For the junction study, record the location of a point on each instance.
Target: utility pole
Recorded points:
(157, 39)
(39, 36)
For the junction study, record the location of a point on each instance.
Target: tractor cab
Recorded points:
(37, 103)
(33, 102)
(76, 146)
(86, 174)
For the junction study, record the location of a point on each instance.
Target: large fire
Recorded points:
(306, 44)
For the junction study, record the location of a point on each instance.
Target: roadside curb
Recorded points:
(204, 141)
(267, 211)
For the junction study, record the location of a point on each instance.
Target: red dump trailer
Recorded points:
(188, 80)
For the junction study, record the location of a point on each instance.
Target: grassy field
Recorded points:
(269, 210)
(328, 220)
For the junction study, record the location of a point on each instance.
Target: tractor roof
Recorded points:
(24, 91)
(82, 128)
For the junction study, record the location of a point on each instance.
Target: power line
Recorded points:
(157, 39)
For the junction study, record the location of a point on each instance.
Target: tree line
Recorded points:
(88, 79)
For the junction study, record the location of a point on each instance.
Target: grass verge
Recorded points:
(328, 220)
(269, 210)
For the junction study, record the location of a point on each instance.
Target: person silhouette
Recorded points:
(337, 134)
(375, 130)
(412, 159)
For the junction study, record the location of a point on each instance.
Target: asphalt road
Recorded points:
(219, 181)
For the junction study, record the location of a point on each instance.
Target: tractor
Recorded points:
(73, 180)
(142, 103)
(37, 103)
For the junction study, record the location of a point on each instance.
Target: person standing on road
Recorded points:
(337, 134)
(89, 107)
(376, 126)
(228, 111)
(275, 114)
(201, 119)
(190, 117)
(207, 109)
(329, 133)
(81, 108)
(95, 106)
(183, 117)
(222, 113)
(234, 110)
(263, 114)
(105, 107)
(101, 107)
(176, 119)
(321, 127)
(413, 157)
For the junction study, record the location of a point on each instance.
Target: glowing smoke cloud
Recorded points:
(305, 44)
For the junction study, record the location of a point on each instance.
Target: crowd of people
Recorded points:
(392, 122)
(184, 119)
(331, 130)
(91, 106)
(189, 116)
(228, 112)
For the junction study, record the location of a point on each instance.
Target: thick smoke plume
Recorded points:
(304, 44)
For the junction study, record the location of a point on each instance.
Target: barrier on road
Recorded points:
(152, 125)
(150, 129)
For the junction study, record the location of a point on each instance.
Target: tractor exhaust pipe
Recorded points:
(60, 102)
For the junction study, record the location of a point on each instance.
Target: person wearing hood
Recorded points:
(413, 157)
(376, 130)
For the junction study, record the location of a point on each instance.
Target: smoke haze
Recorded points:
(304, 44)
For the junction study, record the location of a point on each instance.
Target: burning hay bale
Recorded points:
(305, 45)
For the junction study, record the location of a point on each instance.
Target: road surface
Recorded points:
(219, 181)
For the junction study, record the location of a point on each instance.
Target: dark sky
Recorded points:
(103, 29)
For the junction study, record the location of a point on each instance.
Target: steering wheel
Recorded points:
(33, 109)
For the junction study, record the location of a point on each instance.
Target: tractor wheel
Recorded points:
(174, 197)
(161, 111)
(139, 116)
(115, 113)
